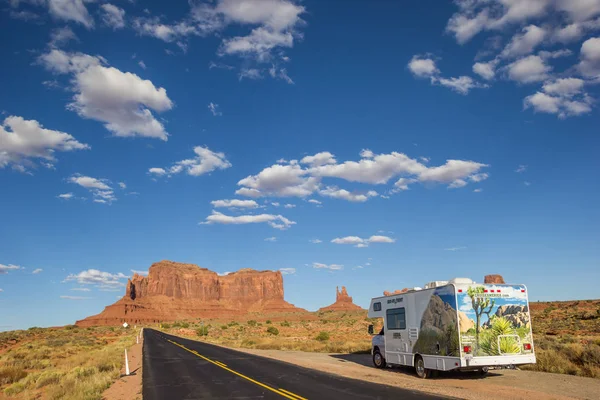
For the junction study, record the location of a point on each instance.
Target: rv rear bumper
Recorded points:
(491, 361)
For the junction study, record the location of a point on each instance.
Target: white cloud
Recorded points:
(142, 64)
(289, 206)
(10, 267)
(99, 188)
(423, 66)
(22, 141)
(343, 194)
(250, 73)
(315, 241)
(275, 204)
(61, 36)
(455, 248)
(214, 109)
(402, 184)
(275, 221)
(451, 171)
(528, 70)
(113, 16)
(458, 183)
(524, 43)
(36, 271)
(98, 278)
(563, 106)
(486, 70)
(65, 196)
(80, 289)
(279, 180)
(71, 10)
(358, 267)
(590, 58)
(319, 159)
(478, 190)
(331, 267)
(313, 201)
(564, 86)
(223, 273)
(74, 298)
(521, 168)
(205, 161)
(234, 203)
(121, 100)
(361, 243)
(122, 185)
(462, 84)
(157, 171)
(140, 272)
(287, 271)
(527, 183)
(271, 239)
(479, 177)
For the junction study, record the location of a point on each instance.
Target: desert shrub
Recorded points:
(70, 327)
(268, 322)
(224, 327)
(272, 330)
(176, 324)
(322, 336)
(185, 325)
(47, 378)
(202, 331)
(11, 375)
(252, 323)
(112, 329)
(166, 326)
(14, 389)
(285, 323)
(233, 323)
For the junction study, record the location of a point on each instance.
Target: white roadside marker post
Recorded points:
(126, 364)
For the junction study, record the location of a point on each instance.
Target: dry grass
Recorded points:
(61, 363)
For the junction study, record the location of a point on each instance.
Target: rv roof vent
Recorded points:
(435, 284)
(416, 288)
(461, 280)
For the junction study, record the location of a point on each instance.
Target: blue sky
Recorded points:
(435, 141)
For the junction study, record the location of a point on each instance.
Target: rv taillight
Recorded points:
(467, 349)
(522, 290)
(527, 346)
(459, 290)
(498, 291)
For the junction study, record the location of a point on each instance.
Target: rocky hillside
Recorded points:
(185, 291)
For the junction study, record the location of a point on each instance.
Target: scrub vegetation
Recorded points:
(61, 363)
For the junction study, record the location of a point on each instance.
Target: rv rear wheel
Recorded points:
(422, 372)
(378, 359)
(484, 371)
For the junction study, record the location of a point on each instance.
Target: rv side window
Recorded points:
(377, 306)
(396, 319)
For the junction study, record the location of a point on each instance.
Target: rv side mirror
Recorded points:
(371, 329)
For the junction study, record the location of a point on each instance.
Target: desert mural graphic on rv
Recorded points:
(494, 320)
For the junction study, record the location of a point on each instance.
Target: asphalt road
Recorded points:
(180, 369)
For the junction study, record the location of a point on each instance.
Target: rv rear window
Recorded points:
(396, 318)
(377, 306)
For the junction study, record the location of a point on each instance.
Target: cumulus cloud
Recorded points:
(287, 271)
(121, 100)
(61, 36)
(423, 66)
(113, 16)
(314, 201)
(10, 267)
(524, 43)
(235, 203)
(318, 159)
(275, 221)
(205, 162)
(336, 193)
(487, 70)
(279, 180)
(360, 242)
(97, 278)
(590, 58)
(100, 189)
(36, 271)
(462, 84)
(71, 10)
(529, 69)
(65, 196)
(331, 267)
(23, 141)
(214, 109)
(564, 97)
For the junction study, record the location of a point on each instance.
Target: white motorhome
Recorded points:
(456, 324)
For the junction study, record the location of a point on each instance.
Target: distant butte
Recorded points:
(343, 302)
(174, 291)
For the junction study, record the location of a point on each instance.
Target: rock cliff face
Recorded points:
(173, 291)
(493, 279)
(516, 314)
(343, 302)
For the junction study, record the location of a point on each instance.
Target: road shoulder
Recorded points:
(128, 387)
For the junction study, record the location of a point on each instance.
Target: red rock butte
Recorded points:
(176, 291)
(343, 302)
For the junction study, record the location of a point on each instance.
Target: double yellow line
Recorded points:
(281, 392)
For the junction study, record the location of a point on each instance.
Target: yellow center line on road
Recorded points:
(281, 392)
(292, 394)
